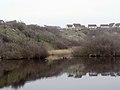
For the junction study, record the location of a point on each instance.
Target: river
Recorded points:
(65, 74)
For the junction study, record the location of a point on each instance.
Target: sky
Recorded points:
(61, 12)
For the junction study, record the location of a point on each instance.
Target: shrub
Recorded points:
(11, 51)
(16, 25)
(104, 44)
(33, 50)
(22, 50)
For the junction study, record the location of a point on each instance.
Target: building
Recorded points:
(111, 25)
(76, 26)
(117, 25)
(69, 27)
(1, 22)
(92, 26)
(83, 27)
(104, 26)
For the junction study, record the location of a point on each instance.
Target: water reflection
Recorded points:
(17, 73)
(95, 67)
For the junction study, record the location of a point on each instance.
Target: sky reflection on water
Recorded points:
(85, 83)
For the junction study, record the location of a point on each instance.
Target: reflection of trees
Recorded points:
(103, 66)
(17, 73)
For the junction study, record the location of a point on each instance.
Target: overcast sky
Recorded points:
(60, 12)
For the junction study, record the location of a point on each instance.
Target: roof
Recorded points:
(104, 25)
(77, 25)
(1, 21)
(89, 25)
(14, 21)
(117, 24)
(82, 25)
(111, 24)
(69, 25)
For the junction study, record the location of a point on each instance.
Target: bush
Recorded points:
(16, 25)
(104, 44)
(10, 51)
(23, 50)
(32, 50)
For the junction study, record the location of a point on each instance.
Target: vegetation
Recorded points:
(103, 44)
(20, 41)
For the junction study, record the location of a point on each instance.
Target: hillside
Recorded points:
(18, 40)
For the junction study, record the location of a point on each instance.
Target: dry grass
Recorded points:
(60, 52)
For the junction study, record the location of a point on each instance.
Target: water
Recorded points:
(72, 74)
